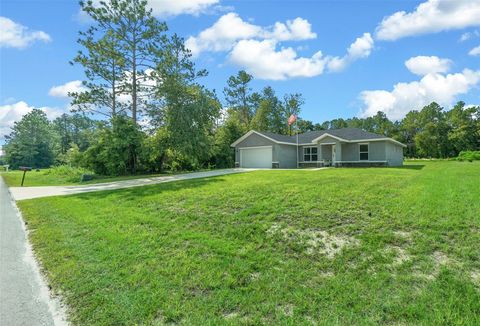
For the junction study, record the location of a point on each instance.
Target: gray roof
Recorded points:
(277, 137)
(350, 134)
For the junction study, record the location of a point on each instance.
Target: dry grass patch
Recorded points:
(400, 255)
(315, 241)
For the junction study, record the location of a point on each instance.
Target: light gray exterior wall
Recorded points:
(349, 152)
(328, 140)
(376, 151)
(285, 156)
(326, 152)
(394, 154)
(254, 140)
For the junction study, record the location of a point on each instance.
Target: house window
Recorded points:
(363, 152)
(310, 154)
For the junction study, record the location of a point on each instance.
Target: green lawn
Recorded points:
(43, 178)
(389, 246)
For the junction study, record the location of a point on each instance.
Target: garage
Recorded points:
(256, 157)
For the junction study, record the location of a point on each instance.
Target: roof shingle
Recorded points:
(350, 134)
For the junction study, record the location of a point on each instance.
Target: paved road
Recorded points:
(24, 297)
(20, 193)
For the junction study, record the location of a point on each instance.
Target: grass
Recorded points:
(361, 246)
(42, 177)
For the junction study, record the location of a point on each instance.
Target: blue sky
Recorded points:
(375, 55)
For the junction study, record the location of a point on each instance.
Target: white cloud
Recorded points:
(423, 65)
(230, 28)
(178, 7)
(264, 61)
(469, 35)
(261, 59)
(475, 51)
(222, 35)
(254, 47)
(14, 35)
(404, 97)
(70, 87)
(10, 113)
(430, 17)
(361, 48)
(166, 8)
(297, 29)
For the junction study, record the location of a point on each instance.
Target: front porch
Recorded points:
(337, 154)
(320, 155)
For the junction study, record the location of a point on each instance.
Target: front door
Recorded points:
(333, 154)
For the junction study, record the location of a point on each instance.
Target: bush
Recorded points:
(469, 156)
(115, 149)
(68, 173)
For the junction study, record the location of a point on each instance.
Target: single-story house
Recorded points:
(336, 147)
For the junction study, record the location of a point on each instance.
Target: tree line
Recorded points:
(142, 107)
(431, 132)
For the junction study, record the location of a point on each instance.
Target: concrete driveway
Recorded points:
(20, 193)
(24, 296)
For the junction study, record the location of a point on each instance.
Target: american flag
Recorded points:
(292, 119)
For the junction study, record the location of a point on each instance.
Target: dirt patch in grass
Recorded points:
(314, 241)
(286, 310)
(475, 276)
(439, 259)
(404, 235)
(400, 255)
(231, 315)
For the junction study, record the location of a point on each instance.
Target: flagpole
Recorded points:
(296, 127)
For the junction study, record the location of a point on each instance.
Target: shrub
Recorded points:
(469, 156)
(67, 172)
(115, 149)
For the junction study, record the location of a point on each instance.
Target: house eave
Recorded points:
(239, 140)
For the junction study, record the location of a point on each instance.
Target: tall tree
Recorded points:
(104, 69)
(73, 129)
(187, 110)
(432, 139)
(134, 41)
(226, 134)
(463, 135)
(31, 141)
(292, 104)
(115, 147)
(304, 126)
(238, 96)
(261, 119)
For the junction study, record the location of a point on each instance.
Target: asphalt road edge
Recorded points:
(54, 302)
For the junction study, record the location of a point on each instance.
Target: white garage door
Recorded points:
(258, 157)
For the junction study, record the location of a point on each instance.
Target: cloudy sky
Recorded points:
(348, 58)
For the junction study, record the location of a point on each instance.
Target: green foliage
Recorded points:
(469, 156)
(74, 157)
(116, 148)
(223, 155)
(72, 132)
(123, 46)
(239, 97)
(263, 111)
(67, 173)
(31, 142)
(187, 111)
(154, 151)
